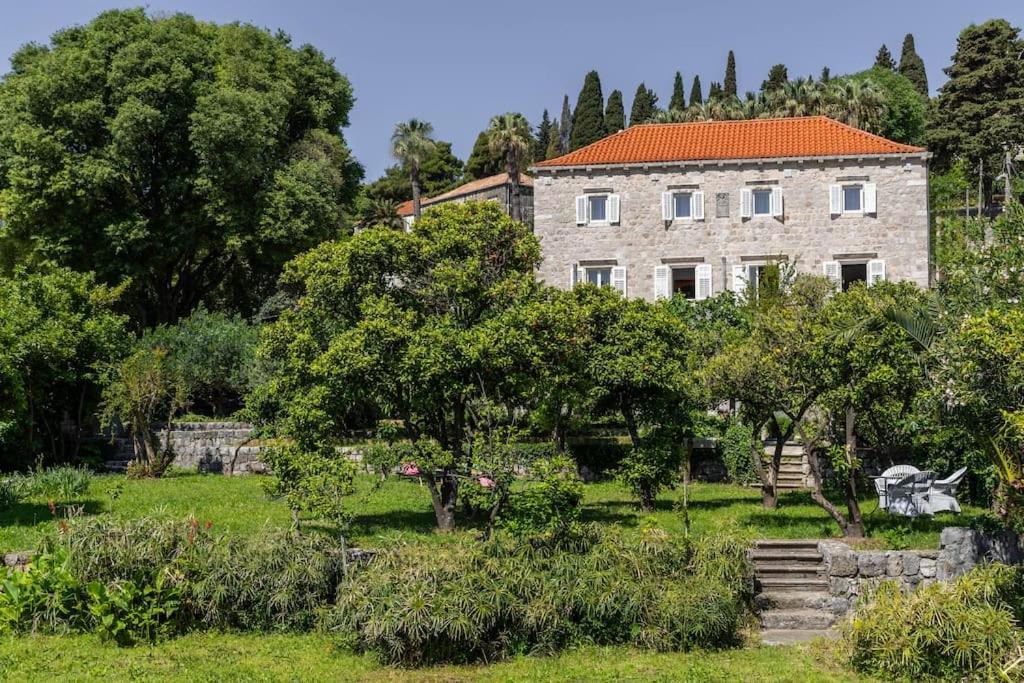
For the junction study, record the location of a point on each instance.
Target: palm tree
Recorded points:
(411, 144)
(384, 212)
(509, 135)
(856, 103)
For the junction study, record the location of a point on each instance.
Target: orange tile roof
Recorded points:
(809, 136)
(405, 208)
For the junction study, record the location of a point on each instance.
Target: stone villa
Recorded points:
(698, 208)
(493, 188)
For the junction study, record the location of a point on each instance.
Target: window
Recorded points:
(682, 200)
(684, 281)
(602, 277)
(753, 274)
(853, 272)
(597, 206)
(852, 198)
(597, 209)
(762, 202)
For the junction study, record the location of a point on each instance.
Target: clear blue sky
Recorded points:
(457, 63)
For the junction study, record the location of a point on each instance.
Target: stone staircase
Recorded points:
(792, 596)
(793, 468)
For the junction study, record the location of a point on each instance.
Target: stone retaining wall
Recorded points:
(850, 572)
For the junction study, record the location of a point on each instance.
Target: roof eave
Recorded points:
(925, 154)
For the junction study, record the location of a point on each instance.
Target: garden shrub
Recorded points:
(734, 444)
(45, 597)
(61, 484)
(417, 605)
(947, 630)
(11, 491)
(548, 503)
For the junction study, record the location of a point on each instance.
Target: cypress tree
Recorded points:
(696, 96)
(645, 104)
(564, 126)
(826, 75)
(715, 91)
(778, 75)
(912, 66)
(884, 60)
(588, 118)
(555, 144)
(481, 162)
(678, 100)
(615, 113)
(540, 148)
(730, 76)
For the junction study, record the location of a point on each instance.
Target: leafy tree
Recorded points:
(405, 326)
(564, 127)
(192, 158)
(903, 116)
(884, 60)
(729, 88)
(912, 66)
(412, 144)
(778, 75)
(678, 100)
(615, 112)
(440, 171)
(645, 104)
(588, 118)
(482, 161)
(58, 330)
(696, 94)
(978, 109)
(545, 129)
(509, 137)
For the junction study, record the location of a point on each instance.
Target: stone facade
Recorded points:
(806, 233)
(851, 572)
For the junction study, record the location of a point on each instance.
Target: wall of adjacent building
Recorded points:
(807, 233)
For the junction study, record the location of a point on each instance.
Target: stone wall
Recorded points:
(207, 447)
(850, 572)
(807, 233)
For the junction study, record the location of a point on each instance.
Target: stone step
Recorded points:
(795, 636)
(774, 543)
(792, 600)
(793, 570)
(787, 583)
(785, 554)
(797, 619)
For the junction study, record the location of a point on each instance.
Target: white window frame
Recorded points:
(585, 275)
(616, 276)
(689, 204)
(696, 203)
(753, 202)
(612, 209)
(868, 199)
(590, 198)
(860, 190)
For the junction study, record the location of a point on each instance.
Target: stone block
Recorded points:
(911, 564)
(871, 564)
(840, 586)
(928, 568)
(894, 564)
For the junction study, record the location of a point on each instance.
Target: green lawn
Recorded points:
(402, 507)
(231, 657)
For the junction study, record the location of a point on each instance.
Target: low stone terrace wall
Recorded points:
(850, 572)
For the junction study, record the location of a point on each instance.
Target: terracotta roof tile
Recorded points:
(811, 136)
(405, 208)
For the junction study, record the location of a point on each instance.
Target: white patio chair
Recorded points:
(890, 476)
(942, 494)
(909, 495)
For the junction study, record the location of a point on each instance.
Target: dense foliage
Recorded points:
(191, 157)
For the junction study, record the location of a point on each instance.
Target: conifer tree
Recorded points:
(555, 144)
(645, 104)
(730, 76)
(482, 163)
(778, 75)
(564, 126)
(678, 101)
(615, 113)
(826, 75)
(912, 66)
(543, 136)
(588, 117)
(696, 95)
(715, 91)
(884, 60)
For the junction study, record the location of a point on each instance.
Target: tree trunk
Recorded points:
(646, 499)
(513, 178)
(851, 526)
(443, 496)
(415, 177)
(688, 462)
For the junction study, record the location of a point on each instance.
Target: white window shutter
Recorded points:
(876, 271)
(832, 271)
(777, 202)
(739, 279)
(697, 206)
(703, 273)
(581, 210)
(613, 209)
(835, 199)
(662, 282)
(746, 203)
(667, 206)
(619, 279)
(574, 275)
(870, 198)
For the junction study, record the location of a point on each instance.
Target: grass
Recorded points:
(402, 508)
(234, 657)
